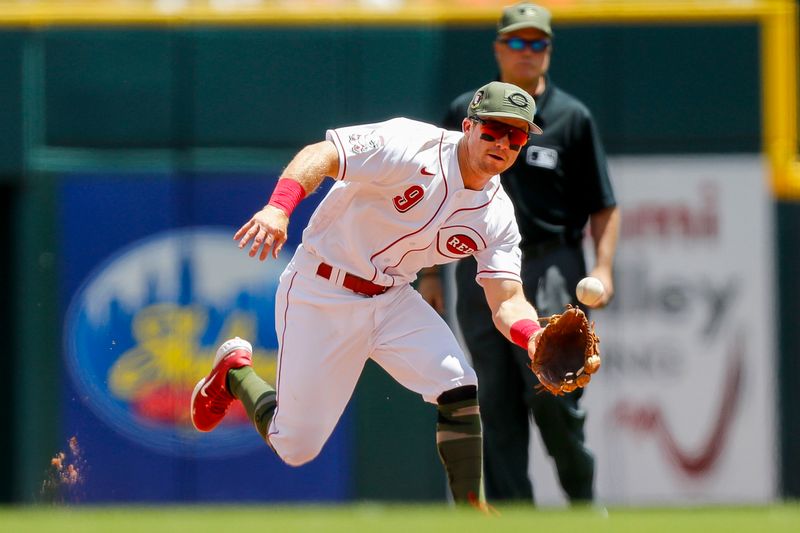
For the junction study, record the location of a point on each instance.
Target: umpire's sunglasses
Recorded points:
(493, 130)
(518, 44)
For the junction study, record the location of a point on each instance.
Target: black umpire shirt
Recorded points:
(560, 177)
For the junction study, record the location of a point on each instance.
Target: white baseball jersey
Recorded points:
(399, 205)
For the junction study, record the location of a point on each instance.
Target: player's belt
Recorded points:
(350, 281)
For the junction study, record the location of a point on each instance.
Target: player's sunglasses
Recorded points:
(518, 44)
(492, 130)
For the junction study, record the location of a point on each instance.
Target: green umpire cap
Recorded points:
(503, 100)
(522, 16)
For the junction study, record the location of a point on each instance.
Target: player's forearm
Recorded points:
(312, 164)
(303, 175)
(604, 227)
(508, 305)
(511, 312)
(430, 287)
(434, 270)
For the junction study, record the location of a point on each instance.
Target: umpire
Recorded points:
(558, 184)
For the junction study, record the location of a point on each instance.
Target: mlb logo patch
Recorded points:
(536, 156)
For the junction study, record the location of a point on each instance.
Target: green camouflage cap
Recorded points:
(503, 100)
(524, 15)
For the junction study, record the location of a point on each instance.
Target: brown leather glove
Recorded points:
(567, 352)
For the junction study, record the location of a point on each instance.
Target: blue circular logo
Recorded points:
(144, 327)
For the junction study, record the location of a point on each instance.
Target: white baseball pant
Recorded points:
(326, 333)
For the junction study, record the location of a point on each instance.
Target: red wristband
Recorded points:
(523, 330)
(287, 195)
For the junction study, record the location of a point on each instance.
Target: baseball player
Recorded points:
(407, 195)
(559, 183)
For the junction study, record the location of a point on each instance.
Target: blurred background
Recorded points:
(136, 136)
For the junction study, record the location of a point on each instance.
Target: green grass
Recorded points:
(395, 518)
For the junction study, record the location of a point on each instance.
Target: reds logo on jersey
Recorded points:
(461, 245)
(459, 241)
(409, 198)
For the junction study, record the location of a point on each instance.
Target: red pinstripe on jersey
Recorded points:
(387, 267)
(280, 353)
(496, 272)
(446, 194)
(344, 152)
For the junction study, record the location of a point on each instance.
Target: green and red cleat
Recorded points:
(211, 397)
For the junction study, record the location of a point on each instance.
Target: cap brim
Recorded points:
(536, 130)
(525, 26)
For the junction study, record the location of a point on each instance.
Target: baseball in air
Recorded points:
(590, 291)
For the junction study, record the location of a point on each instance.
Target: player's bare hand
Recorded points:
(431, 290)
(607, 280)
(266, 231)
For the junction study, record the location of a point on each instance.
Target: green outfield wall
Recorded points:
(187, 98)
(273, 89)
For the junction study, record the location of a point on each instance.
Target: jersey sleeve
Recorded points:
(381, 152)
(503, 257)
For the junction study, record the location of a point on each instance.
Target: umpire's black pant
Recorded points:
(506, 385)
